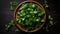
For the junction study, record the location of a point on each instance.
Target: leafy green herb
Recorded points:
(13, 5)
(8, 26)
(45, 4)
(17, 30)
(29, 15)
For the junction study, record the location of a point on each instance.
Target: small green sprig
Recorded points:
(45, 4)
(17, 30)
(9, 25)
(13, 5)
(49, 24)
(50, 20)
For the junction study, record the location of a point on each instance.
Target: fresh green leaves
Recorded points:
(8, 26)
(17, 30)
(24, 6)
(42, 20)
(29, 14)
(49, 23)
(13, 5)
(45, 4)
(51, 20)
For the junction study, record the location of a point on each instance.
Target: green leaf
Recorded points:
(9, 25)
(51, 22)
(40, 14)
(42, 20)
(35, 12)
(17, 30)
(23, 6)
(27, 30)
(50, 18)
(33, 6)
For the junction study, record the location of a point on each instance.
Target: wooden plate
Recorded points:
(15, 15)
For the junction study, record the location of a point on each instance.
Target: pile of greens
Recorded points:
(30, 16)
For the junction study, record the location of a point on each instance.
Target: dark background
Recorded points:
(6, 15)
